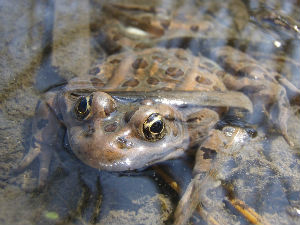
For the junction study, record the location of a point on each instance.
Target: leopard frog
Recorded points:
(133, 110)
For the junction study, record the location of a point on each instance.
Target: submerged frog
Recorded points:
(134, 110)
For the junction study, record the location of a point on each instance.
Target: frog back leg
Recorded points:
(45, 129)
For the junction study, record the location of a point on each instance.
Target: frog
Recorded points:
(134, 110)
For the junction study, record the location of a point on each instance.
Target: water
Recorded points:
(43, 44)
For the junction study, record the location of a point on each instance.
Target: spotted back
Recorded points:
(156, 69)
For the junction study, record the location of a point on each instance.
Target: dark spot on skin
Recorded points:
(94, 71)
(122, 142)
(96, 82)
(174, 72)
(194, 28)
(165, 24)
(114, 61)
(139, 63)
(203, 80)
(111, 127)
(130, 83)
(208, 153)
(216, 88)
(152, 81)
(42, 123)
(141, 45)
(158, 58)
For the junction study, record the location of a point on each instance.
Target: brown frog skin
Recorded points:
(267, 87)
(109, 131)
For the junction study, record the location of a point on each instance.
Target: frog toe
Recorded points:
(45, 159)
(27, 160)
(188, 203)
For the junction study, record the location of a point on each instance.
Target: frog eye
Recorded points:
(154, 127)
(83, 107)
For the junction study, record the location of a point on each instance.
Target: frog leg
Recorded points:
(213, 153)
(288, 85)
(265, 92)
(203, 179)
(44, 138)
(283, 114)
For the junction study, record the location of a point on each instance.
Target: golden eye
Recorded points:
(154, 127)
(83, 107)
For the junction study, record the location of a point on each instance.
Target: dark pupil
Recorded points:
(156, 127)
(82, 106)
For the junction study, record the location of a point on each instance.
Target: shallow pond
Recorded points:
(46, 43)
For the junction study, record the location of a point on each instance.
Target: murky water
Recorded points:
(45, 43)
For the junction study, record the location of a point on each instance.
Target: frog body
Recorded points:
(134, 110)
